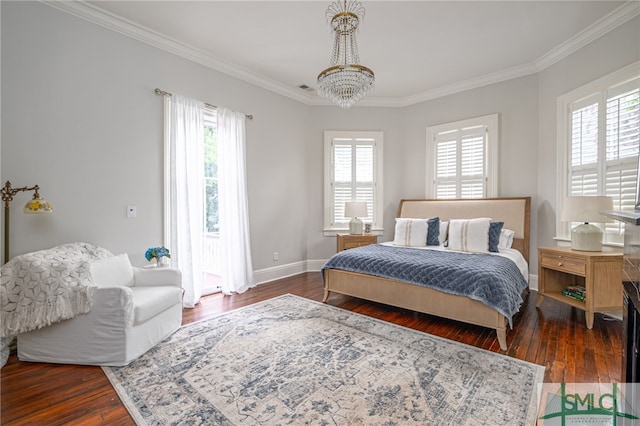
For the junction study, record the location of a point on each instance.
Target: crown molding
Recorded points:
(153, 38)
(473, 83)
(624, 13)
(599, 28)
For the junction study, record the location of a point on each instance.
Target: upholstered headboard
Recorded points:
(515, 212)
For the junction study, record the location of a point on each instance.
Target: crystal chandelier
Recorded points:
(345, 82)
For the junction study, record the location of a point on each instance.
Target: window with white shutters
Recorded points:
(600, 128)
(461, 158)
(353, 172)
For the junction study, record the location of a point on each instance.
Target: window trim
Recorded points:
(378, 219)
(563, 132)
(491, 122)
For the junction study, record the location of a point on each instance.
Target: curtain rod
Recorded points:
(163, 93)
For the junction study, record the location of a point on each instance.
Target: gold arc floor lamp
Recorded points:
(35, 206)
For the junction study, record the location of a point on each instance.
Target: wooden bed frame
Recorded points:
(515, 212)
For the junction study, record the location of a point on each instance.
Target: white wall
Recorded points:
(388, 120)
(516, 102)
(405, 158)
(81, 120)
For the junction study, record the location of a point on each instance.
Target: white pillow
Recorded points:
(506, 239)
(470, 235)
(411, 232)
(115, 271)
(444, 228)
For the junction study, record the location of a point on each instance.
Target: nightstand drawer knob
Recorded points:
(560, 263)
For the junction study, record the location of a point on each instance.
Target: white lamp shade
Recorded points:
(586, 209)
(355, 209)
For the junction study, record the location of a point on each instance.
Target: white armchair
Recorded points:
(133, 310)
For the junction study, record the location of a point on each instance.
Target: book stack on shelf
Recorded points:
(575, 292)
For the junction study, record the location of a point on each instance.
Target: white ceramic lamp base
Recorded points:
(586, 237)
(355, 226)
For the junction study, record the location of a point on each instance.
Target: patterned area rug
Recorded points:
(293, 361)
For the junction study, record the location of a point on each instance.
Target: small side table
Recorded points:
(600, 273)
(348, 241)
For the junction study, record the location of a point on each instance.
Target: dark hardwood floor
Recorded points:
(554, 336)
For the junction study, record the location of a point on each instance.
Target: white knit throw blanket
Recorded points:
(40, 288)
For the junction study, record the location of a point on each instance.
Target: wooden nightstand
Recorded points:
(348, 241)
(600, 273)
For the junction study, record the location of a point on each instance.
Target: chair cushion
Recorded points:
(113, 271)
(150, 301)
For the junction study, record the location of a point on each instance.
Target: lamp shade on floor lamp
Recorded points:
(36, 205)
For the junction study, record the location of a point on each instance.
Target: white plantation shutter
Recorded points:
(473, 162)
(461, 157)
(584, 182)
(584, 149)
(446, 181)
(364, 176)
(622, 147)
(584, 136)
(342, 170)
(353, 167)
(604, 144)
(353, 176)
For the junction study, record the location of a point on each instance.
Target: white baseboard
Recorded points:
(315, 265)
(533, 282)
(266, 275)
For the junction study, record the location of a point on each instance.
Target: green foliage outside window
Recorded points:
(211, 178)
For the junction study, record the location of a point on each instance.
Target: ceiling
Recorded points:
(419, 50)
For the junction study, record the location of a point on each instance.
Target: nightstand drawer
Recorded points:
(574, 265)
(347, 241)
(354, 244)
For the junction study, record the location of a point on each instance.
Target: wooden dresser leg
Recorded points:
(539, 301)
(502, 339)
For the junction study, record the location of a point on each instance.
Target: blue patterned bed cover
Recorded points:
(493, 280)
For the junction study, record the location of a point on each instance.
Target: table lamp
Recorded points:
(354, 210)
(586, 209)
(34, 206)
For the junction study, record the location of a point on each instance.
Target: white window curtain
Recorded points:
(235, 246)
(186, 136)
